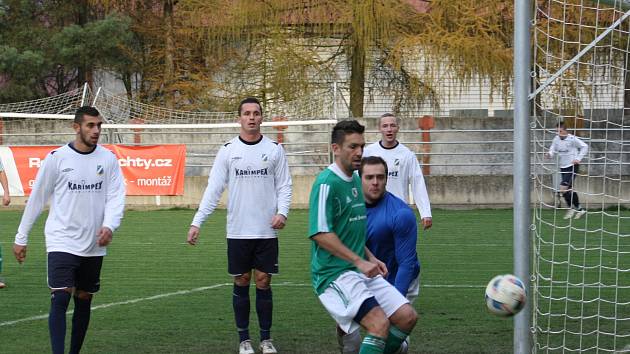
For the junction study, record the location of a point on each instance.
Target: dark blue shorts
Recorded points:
(568, 175)
(247, 254)
(66, 270)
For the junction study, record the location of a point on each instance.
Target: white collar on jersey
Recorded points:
(339, 172)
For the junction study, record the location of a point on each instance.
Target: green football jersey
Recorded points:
(336, 205)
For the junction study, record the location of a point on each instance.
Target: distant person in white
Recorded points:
(256, 173)
(403, 168)
(6, 200)
(570, 150)
(85, 187)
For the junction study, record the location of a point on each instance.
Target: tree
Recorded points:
(50, 47)
(376, 37)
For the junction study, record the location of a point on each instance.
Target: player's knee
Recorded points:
(405, 318)
(243, 279)
(372, 317)
(263, 280)
(380, 326)
(410, 317)
(60, 298)
(83, 295)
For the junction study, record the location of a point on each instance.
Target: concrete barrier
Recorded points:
(468, 192)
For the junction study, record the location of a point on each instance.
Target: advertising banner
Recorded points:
(148, 170)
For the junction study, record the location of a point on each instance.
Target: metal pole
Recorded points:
(522, 212)
(84, 95)
(335, 100)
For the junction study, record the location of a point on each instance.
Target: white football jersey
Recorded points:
(403, 169)
(568, 149)
(86, 192)
(259, 186)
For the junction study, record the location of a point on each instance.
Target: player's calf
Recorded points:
(59, 300)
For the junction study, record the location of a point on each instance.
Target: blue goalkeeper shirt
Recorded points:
(392, 233)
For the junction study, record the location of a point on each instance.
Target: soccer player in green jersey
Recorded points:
(347, 278)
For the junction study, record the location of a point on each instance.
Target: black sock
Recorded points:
(80, 322)
(240, 303)
(576, 201)
(59, 301)
(568, 196)
(264, 309)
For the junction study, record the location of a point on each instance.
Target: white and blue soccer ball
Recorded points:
(505, 295)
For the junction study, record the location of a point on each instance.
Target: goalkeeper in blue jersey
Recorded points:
(392, 233)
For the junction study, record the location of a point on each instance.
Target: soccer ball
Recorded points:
(505, 295)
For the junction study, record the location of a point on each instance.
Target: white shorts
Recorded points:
(344, 296)
(414, 290)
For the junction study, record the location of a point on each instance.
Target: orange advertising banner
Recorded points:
(148, 170)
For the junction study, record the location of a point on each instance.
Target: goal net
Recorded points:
(581, 270)
(302, 126)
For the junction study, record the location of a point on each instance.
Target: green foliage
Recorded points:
(48, 47)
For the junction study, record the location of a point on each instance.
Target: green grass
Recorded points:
(149, 257)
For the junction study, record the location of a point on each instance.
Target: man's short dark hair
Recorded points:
(561, 125)
(85, 111)
(372, 160)
(385, 115)
(249, 100)
(344, 128)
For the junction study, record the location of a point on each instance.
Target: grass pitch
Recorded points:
(160, 295)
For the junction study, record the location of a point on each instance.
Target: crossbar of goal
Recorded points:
(168, 126)
(36, 115)
(577, 57)
(217, 125)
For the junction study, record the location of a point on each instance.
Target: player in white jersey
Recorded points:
(256, 173)
(6, 200)
(85, 186)
(403, 168)
(570, 150)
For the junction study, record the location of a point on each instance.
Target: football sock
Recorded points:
(59, 301)
(576, 201)
(240, 303)
(80, 322)
(264, 309)
(394, 339)
(0, 261)
(372, 345)
(572, 199)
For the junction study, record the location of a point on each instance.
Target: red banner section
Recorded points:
(148, 170)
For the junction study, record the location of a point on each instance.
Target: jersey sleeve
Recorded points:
(418, 187)
(217, 181)
(115, 199)
(40, 194)
(582, 148)
(320, 218)
(405, 238)
(283, 183)
(554, 147)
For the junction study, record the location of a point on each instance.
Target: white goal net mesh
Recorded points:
(581, 272)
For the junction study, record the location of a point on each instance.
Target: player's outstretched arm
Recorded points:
(217, 181)
(42, 190)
